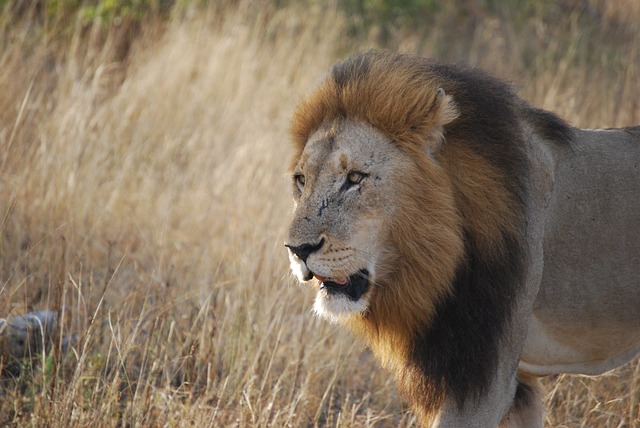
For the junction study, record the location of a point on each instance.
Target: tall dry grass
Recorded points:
(142, 189)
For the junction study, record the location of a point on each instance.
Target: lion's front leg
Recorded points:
(519, 405)
(527, 409)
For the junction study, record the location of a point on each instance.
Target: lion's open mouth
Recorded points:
(353, 287)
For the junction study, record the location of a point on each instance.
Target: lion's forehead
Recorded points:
(351, 146)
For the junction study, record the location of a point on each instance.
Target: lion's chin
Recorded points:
(336, 307)
(338, 299)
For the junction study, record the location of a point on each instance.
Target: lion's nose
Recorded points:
(303, 251)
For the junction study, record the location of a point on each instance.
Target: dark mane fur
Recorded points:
(459, 350)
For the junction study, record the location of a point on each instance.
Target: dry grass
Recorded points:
(144, 192)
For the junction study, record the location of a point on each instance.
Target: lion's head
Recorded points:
(356, 192)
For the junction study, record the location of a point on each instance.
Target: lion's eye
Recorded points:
(354, 178)
(299, 179)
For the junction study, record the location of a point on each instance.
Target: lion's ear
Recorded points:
(446, 109)
(442, 112)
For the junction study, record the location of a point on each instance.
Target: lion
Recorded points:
(474, 242)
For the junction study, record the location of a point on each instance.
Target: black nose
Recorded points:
(303, 251)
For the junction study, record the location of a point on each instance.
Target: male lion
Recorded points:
(473, 241)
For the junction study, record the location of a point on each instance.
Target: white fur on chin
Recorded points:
(336, 307)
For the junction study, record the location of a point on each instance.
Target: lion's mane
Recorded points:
(439, 312)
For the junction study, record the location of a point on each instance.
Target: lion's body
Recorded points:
(586, 317)
(473, 241)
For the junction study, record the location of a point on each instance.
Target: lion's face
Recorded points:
(344, 189)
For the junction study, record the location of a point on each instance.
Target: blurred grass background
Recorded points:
(143, 146)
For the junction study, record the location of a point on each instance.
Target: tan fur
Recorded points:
(458, 219)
